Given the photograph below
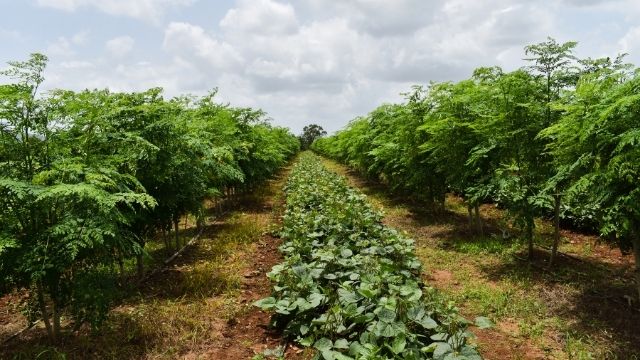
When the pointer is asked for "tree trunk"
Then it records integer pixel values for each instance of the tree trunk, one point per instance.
(530, 237)
(479, 229)
(45, 312)
(165, 239)
(56, 320)
(176, 226)
(556, 228)
(200, 220)
(121, 267)
(635, 239)
(139, 266)
(470, 214)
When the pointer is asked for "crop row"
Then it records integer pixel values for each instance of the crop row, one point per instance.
(350, 286)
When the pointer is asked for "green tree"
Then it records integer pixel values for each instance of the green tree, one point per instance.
(88, 177)
(311, 133)
(559, 136)
(554, 64)
(452, 137)
(509, 132)
(64, 215)
(596, 147)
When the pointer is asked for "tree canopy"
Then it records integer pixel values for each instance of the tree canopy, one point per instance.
(309, 134)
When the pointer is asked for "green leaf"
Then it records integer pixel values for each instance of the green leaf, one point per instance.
(440, 337)
(347, 296)
(386, 315)
(398, 344)
(416, 313)
(470, 353)
(306, 341)
(323, 344)
(341, 344)
(346, 253)
(427, 323)
(441, 350)
(368, 293)
(383, 329)
(483, 322)
(266, 303)
(315, 299)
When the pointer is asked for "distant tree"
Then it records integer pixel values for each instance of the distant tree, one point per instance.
(309, 134)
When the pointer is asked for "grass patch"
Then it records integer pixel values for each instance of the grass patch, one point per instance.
(486, 245)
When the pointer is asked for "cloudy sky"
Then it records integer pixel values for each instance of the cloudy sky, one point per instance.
(302, 61)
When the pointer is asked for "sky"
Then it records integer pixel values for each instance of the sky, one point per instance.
(301, 61)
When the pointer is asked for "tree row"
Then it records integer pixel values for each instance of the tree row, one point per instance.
(87, 178)
(558, 138)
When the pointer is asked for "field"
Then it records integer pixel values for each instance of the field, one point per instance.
(493, 217)
(202, 306)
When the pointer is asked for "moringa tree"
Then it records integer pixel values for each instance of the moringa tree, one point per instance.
(65, 215)
(554, 65)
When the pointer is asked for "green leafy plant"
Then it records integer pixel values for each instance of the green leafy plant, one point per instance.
(349, 286)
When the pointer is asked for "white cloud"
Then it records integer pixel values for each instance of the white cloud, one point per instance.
(149, 10)
(191, 41)
(630, 42)
(77, 65)
(382, 18)
(175, 77)
(80, 38)
(61, 47)
(66, 46)
(321, 55)
(343, 64)
(588, 3)
(67, 5)
(120, 46)
(261, 17)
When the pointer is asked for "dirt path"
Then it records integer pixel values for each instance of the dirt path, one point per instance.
(576, 311)
(248, 335)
